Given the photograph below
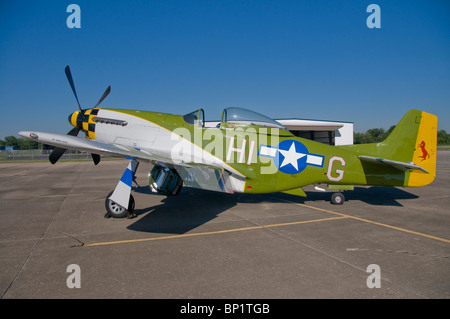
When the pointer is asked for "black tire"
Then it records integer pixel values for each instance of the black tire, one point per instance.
(337, 199)
(116, 211)
(178, 188)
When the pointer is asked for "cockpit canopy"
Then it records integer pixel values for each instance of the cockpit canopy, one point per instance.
(243, 116)
(235, 115)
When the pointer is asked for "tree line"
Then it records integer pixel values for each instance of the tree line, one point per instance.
(373, 135)
(20, 143)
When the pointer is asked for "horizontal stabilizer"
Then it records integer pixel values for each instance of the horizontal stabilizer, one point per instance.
(398, 165)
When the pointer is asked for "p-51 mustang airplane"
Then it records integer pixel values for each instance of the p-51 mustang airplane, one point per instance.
(245, 153)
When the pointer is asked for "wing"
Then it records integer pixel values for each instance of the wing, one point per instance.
(85, 145)
(212, 175)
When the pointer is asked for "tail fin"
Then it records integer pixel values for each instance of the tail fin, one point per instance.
(413, 142)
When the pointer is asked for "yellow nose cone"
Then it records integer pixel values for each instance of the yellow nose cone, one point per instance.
(73, 118)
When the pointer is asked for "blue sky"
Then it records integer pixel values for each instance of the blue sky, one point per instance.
(304, 59)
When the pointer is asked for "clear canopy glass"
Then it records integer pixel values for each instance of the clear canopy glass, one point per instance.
(244, 116)
(236, 115)
(197, 116)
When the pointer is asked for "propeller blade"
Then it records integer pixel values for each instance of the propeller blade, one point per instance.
(72, 85)
(74, 131)
(56, 154)
(96, 158)
(103, 96)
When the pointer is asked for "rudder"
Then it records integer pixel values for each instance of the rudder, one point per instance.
(425, 151)
(414, 139)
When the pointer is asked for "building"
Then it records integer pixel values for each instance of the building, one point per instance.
(327, 132)
(8, 148)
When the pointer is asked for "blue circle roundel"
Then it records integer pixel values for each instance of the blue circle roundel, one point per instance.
(291, 157)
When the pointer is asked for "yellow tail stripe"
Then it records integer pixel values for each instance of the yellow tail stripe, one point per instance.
(425, 151)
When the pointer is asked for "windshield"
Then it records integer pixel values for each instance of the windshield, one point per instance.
(244, 116)
(197, 116)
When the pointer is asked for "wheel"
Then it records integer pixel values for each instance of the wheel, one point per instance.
(337, 199)
(117, 211)
(178, 188)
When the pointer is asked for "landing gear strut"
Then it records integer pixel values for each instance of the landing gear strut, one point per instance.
(120, 203)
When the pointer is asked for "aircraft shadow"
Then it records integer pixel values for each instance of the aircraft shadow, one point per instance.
(195, 207)
(374, 195)
(179, 214)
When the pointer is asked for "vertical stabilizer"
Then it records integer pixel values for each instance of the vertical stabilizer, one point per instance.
(414, 139)
(411, 147)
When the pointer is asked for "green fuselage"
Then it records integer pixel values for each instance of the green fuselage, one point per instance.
(273, 159)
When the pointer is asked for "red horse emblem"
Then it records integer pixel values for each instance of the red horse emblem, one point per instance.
(425, 154)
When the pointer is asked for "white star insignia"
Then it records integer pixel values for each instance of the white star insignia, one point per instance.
(291, 157)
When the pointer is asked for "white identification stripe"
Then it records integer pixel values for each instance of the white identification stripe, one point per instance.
(314, 160)
(268, 151)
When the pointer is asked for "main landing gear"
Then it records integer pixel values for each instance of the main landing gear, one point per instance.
(337, 198)
(120, 203)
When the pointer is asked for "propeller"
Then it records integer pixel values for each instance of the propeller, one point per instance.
(72, 85)
(56, 154)
(103, 96)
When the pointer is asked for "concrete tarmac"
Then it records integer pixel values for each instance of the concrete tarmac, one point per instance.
(203, 244)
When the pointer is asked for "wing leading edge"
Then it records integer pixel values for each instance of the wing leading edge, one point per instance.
(83, 144)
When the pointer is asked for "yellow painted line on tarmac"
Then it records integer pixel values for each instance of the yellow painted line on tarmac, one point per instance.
(445, 240)
(17, 174)
(224, 231)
